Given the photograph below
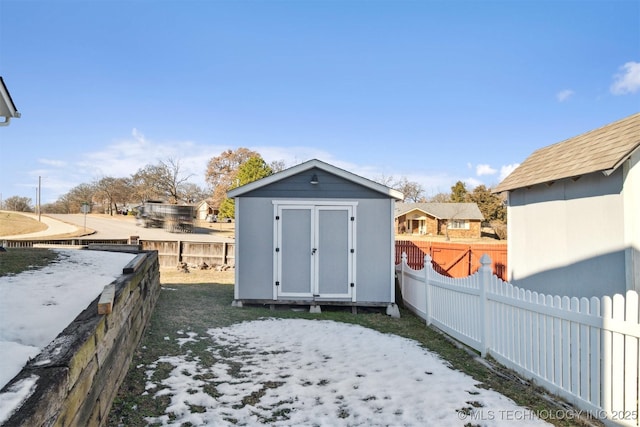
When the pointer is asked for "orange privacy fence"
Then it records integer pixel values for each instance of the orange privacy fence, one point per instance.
(453, 259)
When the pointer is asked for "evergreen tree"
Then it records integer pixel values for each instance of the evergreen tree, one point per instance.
(253, 169)
(459, 193)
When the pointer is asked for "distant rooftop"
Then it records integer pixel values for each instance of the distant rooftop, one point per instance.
(442, 210)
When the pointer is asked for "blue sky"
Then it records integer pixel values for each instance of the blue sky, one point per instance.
(434, 91)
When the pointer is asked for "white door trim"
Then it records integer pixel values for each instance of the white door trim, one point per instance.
(314, 206)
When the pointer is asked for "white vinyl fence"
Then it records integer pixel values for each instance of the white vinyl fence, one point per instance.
(586, 351)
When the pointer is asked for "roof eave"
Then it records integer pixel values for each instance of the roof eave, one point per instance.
(8, 101)
(239, 191)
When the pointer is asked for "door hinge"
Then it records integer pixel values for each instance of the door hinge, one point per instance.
(353, 218)
(277, 249)
(277, 217)
(353, 285)
(277, 283)
(353, 250)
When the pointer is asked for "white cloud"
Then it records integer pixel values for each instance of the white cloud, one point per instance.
(52, 162)
(127, 156)
(472, 183)
(627, 80)
(124, 157)
(564, 95)
(485, 170)
(505, 170)
(137, 135)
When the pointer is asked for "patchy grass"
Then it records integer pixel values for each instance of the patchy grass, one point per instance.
(195, 308)
(12, 223)
(14, 261)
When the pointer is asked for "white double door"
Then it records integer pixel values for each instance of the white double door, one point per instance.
(314, 250)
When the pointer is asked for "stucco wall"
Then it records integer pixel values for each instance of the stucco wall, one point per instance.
(568, 238)
(80, 372)
(631, 201)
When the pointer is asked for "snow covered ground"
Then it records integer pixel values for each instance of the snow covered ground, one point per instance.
(273, 371)
(36, 305)
(320, 373)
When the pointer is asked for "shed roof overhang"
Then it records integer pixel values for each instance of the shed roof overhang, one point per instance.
(302, 167)
(8, 109)
(601, 150)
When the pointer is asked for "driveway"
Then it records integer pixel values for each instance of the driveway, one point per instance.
(120, 227)
(123, 227)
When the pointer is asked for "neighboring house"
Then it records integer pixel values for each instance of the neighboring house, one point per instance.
(204, 209)
(315, 234)
(8, 109)
(457, 220)
(574, 214)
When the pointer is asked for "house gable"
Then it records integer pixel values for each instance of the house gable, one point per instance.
(572, 214)
(337, 181)
(601, 150)
(329, 186)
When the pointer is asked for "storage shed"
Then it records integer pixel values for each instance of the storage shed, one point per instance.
(314, 235)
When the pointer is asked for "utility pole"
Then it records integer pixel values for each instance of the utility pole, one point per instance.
(39, 196)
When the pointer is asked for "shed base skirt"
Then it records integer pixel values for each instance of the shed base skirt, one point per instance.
(315, 305)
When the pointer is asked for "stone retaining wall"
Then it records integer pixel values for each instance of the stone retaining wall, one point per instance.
(79, 373)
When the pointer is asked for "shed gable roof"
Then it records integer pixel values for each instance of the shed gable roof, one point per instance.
(8, 109)
(442, 210)
(311, 164)
(600, 150)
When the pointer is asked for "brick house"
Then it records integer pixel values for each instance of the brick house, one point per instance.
(463, 220)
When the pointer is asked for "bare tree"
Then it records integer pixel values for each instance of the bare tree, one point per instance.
(222, 170)
(77, 196)
(277, 166)
(18, 204)
(440, 198)
(165, 180)
(413, 192)
(113, 191)
(192, 193)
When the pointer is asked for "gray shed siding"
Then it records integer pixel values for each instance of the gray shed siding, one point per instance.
(330, 187)
(254, 239)
(375, 250)
(373, 234)
(374, 259)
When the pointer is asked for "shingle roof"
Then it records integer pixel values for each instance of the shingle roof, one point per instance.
(600, 150)
(442, 210)
(315, 163)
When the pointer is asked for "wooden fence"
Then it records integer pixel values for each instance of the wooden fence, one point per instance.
(170, 252)
(586, 351)
(453, 259)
